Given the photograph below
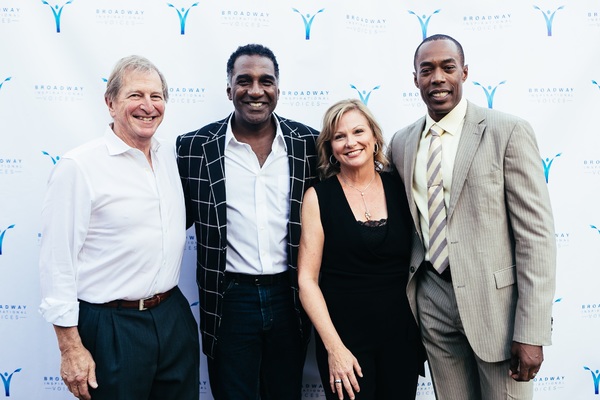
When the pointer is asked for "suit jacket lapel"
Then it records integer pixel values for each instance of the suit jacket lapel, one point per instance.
(296, 149)
(215, 150)
(410, 158)
(467, 148)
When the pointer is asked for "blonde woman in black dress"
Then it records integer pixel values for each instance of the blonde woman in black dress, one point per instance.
(353, 264)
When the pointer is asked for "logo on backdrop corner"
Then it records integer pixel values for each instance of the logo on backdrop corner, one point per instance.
(595, 378)
(5, 80)
(308, 21)
(2, 236)
(6, 379)
(363, 94)
(424, 21)
(183, 14)
(593, 81)
(595, 228)
(489, 92)
(548, 164)
(57, 11)
(54, 159)
(549, 17)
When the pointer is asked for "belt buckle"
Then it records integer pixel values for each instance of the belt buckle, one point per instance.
(141, 305)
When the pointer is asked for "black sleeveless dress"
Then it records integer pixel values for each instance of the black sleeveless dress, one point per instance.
(363, 278)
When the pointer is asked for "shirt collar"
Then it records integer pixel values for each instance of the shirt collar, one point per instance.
(117, 146)
(278, 142)
(451, 122)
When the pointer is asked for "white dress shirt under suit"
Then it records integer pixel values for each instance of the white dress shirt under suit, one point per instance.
(257, 201)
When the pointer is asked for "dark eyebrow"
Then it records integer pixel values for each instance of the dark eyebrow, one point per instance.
(450, 60)
(268, 77)
(243, 76)
(262, 77)
(445, 61)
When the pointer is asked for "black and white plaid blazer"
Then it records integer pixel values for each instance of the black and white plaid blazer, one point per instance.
(200, 157)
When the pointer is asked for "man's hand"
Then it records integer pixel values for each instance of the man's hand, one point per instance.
(77, 367)
(525, 361)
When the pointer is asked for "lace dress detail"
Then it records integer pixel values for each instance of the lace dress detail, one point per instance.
(373, 232)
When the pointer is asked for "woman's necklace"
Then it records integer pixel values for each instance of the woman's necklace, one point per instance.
(362, 193)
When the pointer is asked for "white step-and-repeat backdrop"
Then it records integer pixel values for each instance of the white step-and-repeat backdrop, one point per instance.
(537, 59)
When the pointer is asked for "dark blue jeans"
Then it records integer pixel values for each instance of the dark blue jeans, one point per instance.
(260, 353)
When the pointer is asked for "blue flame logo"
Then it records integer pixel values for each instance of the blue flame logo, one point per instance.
(183, 14)
(424, 21)
(57, 11)
(308, 21)
(549, 17)
(489, 92)
(364, 95)
(548, 164)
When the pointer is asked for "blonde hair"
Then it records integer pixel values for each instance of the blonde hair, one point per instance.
(330, 121)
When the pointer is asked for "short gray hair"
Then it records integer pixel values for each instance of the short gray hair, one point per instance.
(131, 63)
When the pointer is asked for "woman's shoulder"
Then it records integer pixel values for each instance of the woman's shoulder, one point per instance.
(327, 183)
(392, 179)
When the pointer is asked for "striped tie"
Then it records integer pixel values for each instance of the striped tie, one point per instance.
(438, 246)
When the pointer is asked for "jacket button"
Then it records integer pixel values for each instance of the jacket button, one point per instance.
(412, 270)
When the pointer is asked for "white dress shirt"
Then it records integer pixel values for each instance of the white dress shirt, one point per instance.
(257, 207)
(112, 227)
(452, 125)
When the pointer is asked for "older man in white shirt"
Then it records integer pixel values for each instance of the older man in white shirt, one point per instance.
(113, 225)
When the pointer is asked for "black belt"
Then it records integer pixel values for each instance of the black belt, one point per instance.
(445, 275)
(258, 280)
(142, 304)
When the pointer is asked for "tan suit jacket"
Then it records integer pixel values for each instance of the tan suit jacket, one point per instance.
(500, 231)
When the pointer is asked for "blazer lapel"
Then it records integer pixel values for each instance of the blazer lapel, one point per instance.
(467, 148)
(296, 149)
(410, 158)
(215, 150)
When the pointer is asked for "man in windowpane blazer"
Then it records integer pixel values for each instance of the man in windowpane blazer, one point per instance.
(486, 317)
(244, 178)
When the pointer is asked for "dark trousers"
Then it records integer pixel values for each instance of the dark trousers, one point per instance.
(151, 354)
(260, 353)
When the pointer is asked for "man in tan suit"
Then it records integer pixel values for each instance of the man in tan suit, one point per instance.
(486, 312)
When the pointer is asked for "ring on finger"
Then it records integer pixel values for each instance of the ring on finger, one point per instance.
(338, 381)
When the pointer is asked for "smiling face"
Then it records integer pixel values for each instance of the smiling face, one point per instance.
(138, 109)
(353, 141)
(253, 90)
(439, 75)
